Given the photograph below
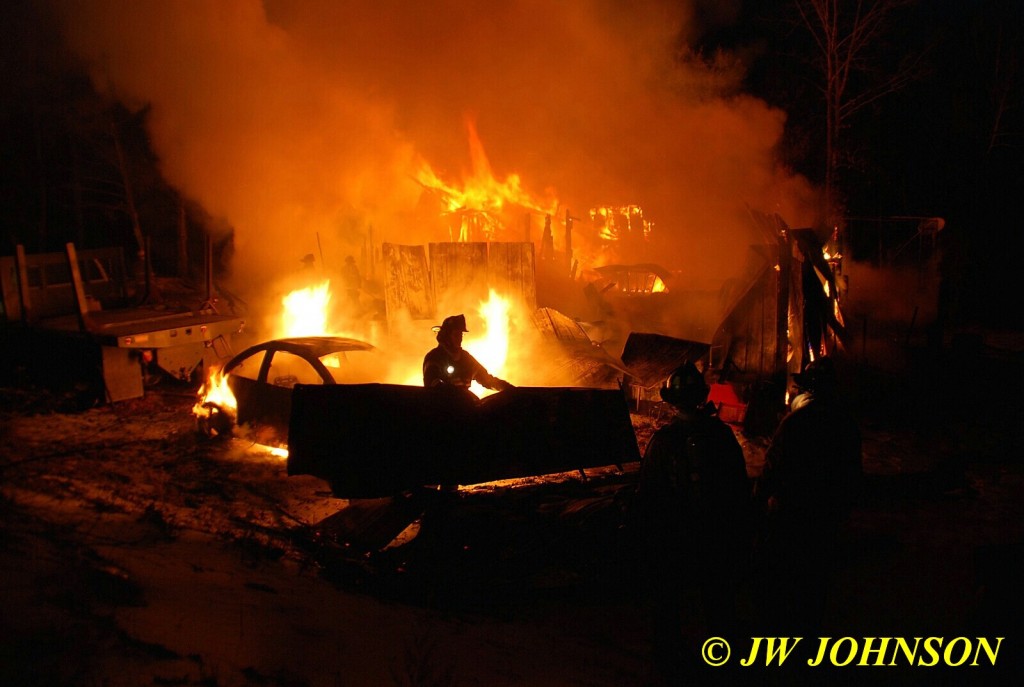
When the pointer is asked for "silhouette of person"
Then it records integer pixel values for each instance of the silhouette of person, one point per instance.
(450, 365)
(459, 433)
(692, 506)
(352, 279)
(811, 478)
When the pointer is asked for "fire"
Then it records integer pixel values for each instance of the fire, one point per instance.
(305, 311)
(215, 398)
(304, 314)
(617, 223)
(492, 348)
(482, 199)
(217, 391)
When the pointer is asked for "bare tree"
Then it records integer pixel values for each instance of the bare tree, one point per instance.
(1005, 89)
(855, 67)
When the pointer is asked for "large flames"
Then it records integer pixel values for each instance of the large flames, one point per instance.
(481, 209)
(492, 348)
(305, 312)
(621, 223)
(483, 199)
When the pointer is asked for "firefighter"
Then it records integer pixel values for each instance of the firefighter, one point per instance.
(450, 365)
(352, 279)
(810, 481)
(692, 506)
(459, 443)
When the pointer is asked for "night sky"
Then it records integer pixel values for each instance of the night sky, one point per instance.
(947, 144)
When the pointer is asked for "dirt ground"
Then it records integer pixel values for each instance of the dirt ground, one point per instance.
(134, 552)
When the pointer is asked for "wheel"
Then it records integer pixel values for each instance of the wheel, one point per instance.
(214, 421)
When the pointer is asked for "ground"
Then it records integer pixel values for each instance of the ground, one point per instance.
(135, 552)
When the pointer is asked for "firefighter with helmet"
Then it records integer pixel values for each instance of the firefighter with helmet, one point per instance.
(448, 370)
(450, 365)
(692, 506)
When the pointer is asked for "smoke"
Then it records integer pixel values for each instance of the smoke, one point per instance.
(301, 123)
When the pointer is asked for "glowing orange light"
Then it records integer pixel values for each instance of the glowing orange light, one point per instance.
(616, 222)
(482, 197)
(215, 407)
(215, 390)
(305, 311)
(492, 348)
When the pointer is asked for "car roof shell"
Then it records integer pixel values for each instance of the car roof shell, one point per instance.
(310, 347)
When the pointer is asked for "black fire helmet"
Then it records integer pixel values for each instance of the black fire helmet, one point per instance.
(819, 375)
(686, 387)
(452, 323)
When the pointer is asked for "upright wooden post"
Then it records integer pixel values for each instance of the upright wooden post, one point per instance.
(76, 283)
(568, 241)
(27, 315)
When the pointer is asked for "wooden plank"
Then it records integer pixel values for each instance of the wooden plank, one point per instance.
(459, 273)
(79, 289)
(407, 282)
(511, 271)
(774, 306)
(574, 354)
(371, 524)
(45, 279)
(27, 313)
(651, 358)
(749, 335)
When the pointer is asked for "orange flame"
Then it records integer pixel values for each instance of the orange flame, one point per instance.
(305, 311)
(616, 223)
(216, 391)
(215, 399)
(483, 198)
(492, 348)
(304, 314)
